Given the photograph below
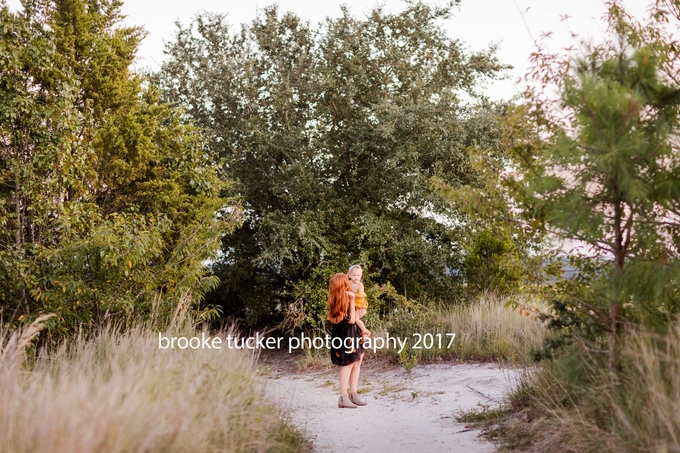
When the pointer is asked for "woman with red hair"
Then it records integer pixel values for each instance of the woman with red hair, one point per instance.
(346, 349)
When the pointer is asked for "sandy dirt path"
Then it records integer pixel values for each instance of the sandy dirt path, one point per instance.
(406, 412)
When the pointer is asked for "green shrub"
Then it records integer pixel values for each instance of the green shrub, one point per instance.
(492, 262)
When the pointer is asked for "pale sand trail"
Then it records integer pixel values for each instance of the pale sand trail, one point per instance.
(406, 412)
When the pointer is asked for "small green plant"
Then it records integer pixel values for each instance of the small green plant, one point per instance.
(483, 414)
(389, 387)
(408, 359)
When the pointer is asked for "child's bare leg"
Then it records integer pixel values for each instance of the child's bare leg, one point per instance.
(362, 326)
(345, 373)
(354, 376)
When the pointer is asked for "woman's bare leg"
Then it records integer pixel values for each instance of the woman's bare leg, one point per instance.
(354, 375)
(345, 372)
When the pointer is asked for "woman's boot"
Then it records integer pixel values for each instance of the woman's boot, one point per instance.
(354, 397)
(344, 401)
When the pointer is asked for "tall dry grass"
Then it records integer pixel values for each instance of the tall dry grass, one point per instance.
(487, 328)
(576, 405)
(119, 392)
(491, 328)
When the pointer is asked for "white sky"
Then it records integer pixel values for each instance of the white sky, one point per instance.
(478, 23)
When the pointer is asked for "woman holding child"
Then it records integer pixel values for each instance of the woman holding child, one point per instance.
(347, 332)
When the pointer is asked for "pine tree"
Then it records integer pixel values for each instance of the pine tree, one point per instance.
(601, 166)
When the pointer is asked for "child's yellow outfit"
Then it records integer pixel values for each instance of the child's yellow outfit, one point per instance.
(360, 301)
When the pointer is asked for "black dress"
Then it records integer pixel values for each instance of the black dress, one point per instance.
(346, 347)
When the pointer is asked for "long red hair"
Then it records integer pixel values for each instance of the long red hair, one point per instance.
(338, 299)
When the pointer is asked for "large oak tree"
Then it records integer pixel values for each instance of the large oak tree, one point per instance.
(333, 134)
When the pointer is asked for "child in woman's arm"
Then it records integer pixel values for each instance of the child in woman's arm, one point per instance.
(360, 302)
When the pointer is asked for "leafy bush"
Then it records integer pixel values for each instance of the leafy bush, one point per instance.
(492, 262)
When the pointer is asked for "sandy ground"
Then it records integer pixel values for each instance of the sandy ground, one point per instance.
(406, 412)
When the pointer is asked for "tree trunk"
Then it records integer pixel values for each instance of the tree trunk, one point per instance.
(19, 233)
(17, 208)
(616, 303)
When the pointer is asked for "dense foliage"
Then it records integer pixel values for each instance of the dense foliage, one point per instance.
(108, 204)
(333, 135)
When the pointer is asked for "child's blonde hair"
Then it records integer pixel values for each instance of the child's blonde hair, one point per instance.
(354, 266)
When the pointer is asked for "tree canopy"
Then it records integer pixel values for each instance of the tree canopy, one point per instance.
(332, 134)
